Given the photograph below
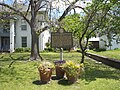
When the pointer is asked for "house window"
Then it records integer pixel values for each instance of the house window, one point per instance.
(23, 25)
(24, 41)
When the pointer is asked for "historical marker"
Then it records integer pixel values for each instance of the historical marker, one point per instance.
(61, 40)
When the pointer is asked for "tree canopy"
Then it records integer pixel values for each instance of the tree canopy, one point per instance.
(93, 22)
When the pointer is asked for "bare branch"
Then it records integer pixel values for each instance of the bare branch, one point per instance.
(40, 7)
(16, 11)
(27, 10)
(69, 8)
(38, 3)
(81, 8)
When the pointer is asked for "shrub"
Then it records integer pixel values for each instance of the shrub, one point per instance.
(100, 49)
(22, 50)
(47, 44)
(50, 49)
(117, 49)
(19, 50)
(27, 49)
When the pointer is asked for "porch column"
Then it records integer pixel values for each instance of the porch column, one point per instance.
(11, 36)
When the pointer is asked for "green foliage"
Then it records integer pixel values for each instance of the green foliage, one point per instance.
(93, 22)
(49, 49)
(27, 49)
(19, 50)
(117, 49)
(47, 44)
(111, 25)
(72, 68)
(25, 75)
(22, 50)
(72, 23)
(5, 20)
(99, 49)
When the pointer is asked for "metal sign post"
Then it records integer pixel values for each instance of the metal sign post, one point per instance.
(61, 53)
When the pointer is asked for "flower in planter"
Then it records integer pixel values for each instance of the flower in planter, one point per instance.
(72, 70)
(45, 71)
(45, 66)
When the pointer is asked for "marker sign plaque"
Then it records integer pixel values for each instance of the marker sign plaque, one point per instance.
(61, 40)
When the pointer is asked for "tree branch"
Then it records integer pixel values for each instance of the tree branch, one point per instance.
(27, 10)
(70, 7)
(16, 11)
(40, 7)
(38, 3)
(97, 26)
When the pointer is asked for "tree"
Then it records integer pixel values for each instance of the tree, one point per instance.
(33, 7)
(91, 22)
(72, 23)
(112, 26)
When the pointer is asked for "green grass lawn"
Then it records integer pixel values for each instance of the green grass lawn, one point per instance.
(23, 74)
(109, 53)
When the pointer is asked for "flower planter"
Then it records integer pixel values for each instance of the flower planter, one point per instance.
(45, 71)
(59, 70)
(71, 79)
(45, 75)
(72, 70)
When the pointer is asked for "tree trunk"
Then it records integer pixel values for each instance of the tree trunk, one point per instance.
(35, 38)
(35, 47)
(83, 57)
(82, 50)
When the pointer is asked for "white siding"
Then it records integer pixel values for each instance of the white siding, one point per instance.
(102, 43)
(20, 33)
(43, 38)
(114, 45)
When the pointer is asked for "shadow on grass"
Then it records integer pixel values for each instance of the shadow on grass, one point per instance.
(64, 82)
(38, 82)
(61, 81)
(54, 78)
(94, 70)
(16, 57)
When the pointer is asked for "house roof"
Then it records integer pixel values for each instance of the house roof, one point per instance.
(94, 39)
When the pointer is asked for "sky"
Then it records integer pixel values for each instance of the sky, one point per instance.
(61, 6)
(10, 1)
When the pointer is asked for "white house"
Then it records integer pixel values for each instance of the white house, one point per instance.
(102, 42)
(19, 34)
